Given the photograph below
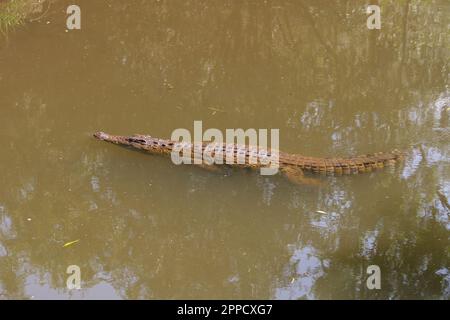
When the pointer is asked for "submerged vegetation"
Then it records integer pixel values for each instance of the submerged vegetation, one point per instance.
(14, 12)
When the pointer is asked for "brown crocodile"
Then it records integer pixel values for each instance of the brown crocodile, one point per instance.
(292, 165)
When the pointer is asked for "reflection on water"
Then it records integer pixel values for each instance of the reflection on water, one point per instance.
(148, 229)
(307, 268)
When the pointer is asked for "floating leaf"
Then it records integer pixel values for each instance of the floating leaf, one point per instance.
(320, 211)
(70, 243)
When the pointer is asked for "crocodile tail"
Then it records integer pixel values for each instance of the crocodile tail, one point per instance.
(367, 162)
(357, 164)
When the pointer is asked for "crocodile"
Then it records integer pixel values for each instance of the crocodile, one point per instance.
(291, 165)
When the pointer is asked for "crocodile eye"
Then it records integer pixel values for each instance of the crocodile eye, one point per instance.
(134, 140)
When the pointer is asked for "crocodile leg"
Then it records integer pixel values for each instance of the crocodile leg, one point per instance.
(295, 175)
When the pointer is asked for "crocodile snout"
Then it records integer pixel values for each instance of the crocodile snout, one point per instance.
(101, 135)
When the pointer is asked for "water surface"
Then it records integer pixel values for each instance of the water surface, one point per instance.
(149, 229)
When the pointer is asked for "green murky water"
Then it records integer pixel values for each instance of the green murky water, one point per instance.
(149, 229)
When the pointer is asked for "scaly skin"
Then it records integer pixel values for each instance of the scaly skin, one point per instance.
(290, 164)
